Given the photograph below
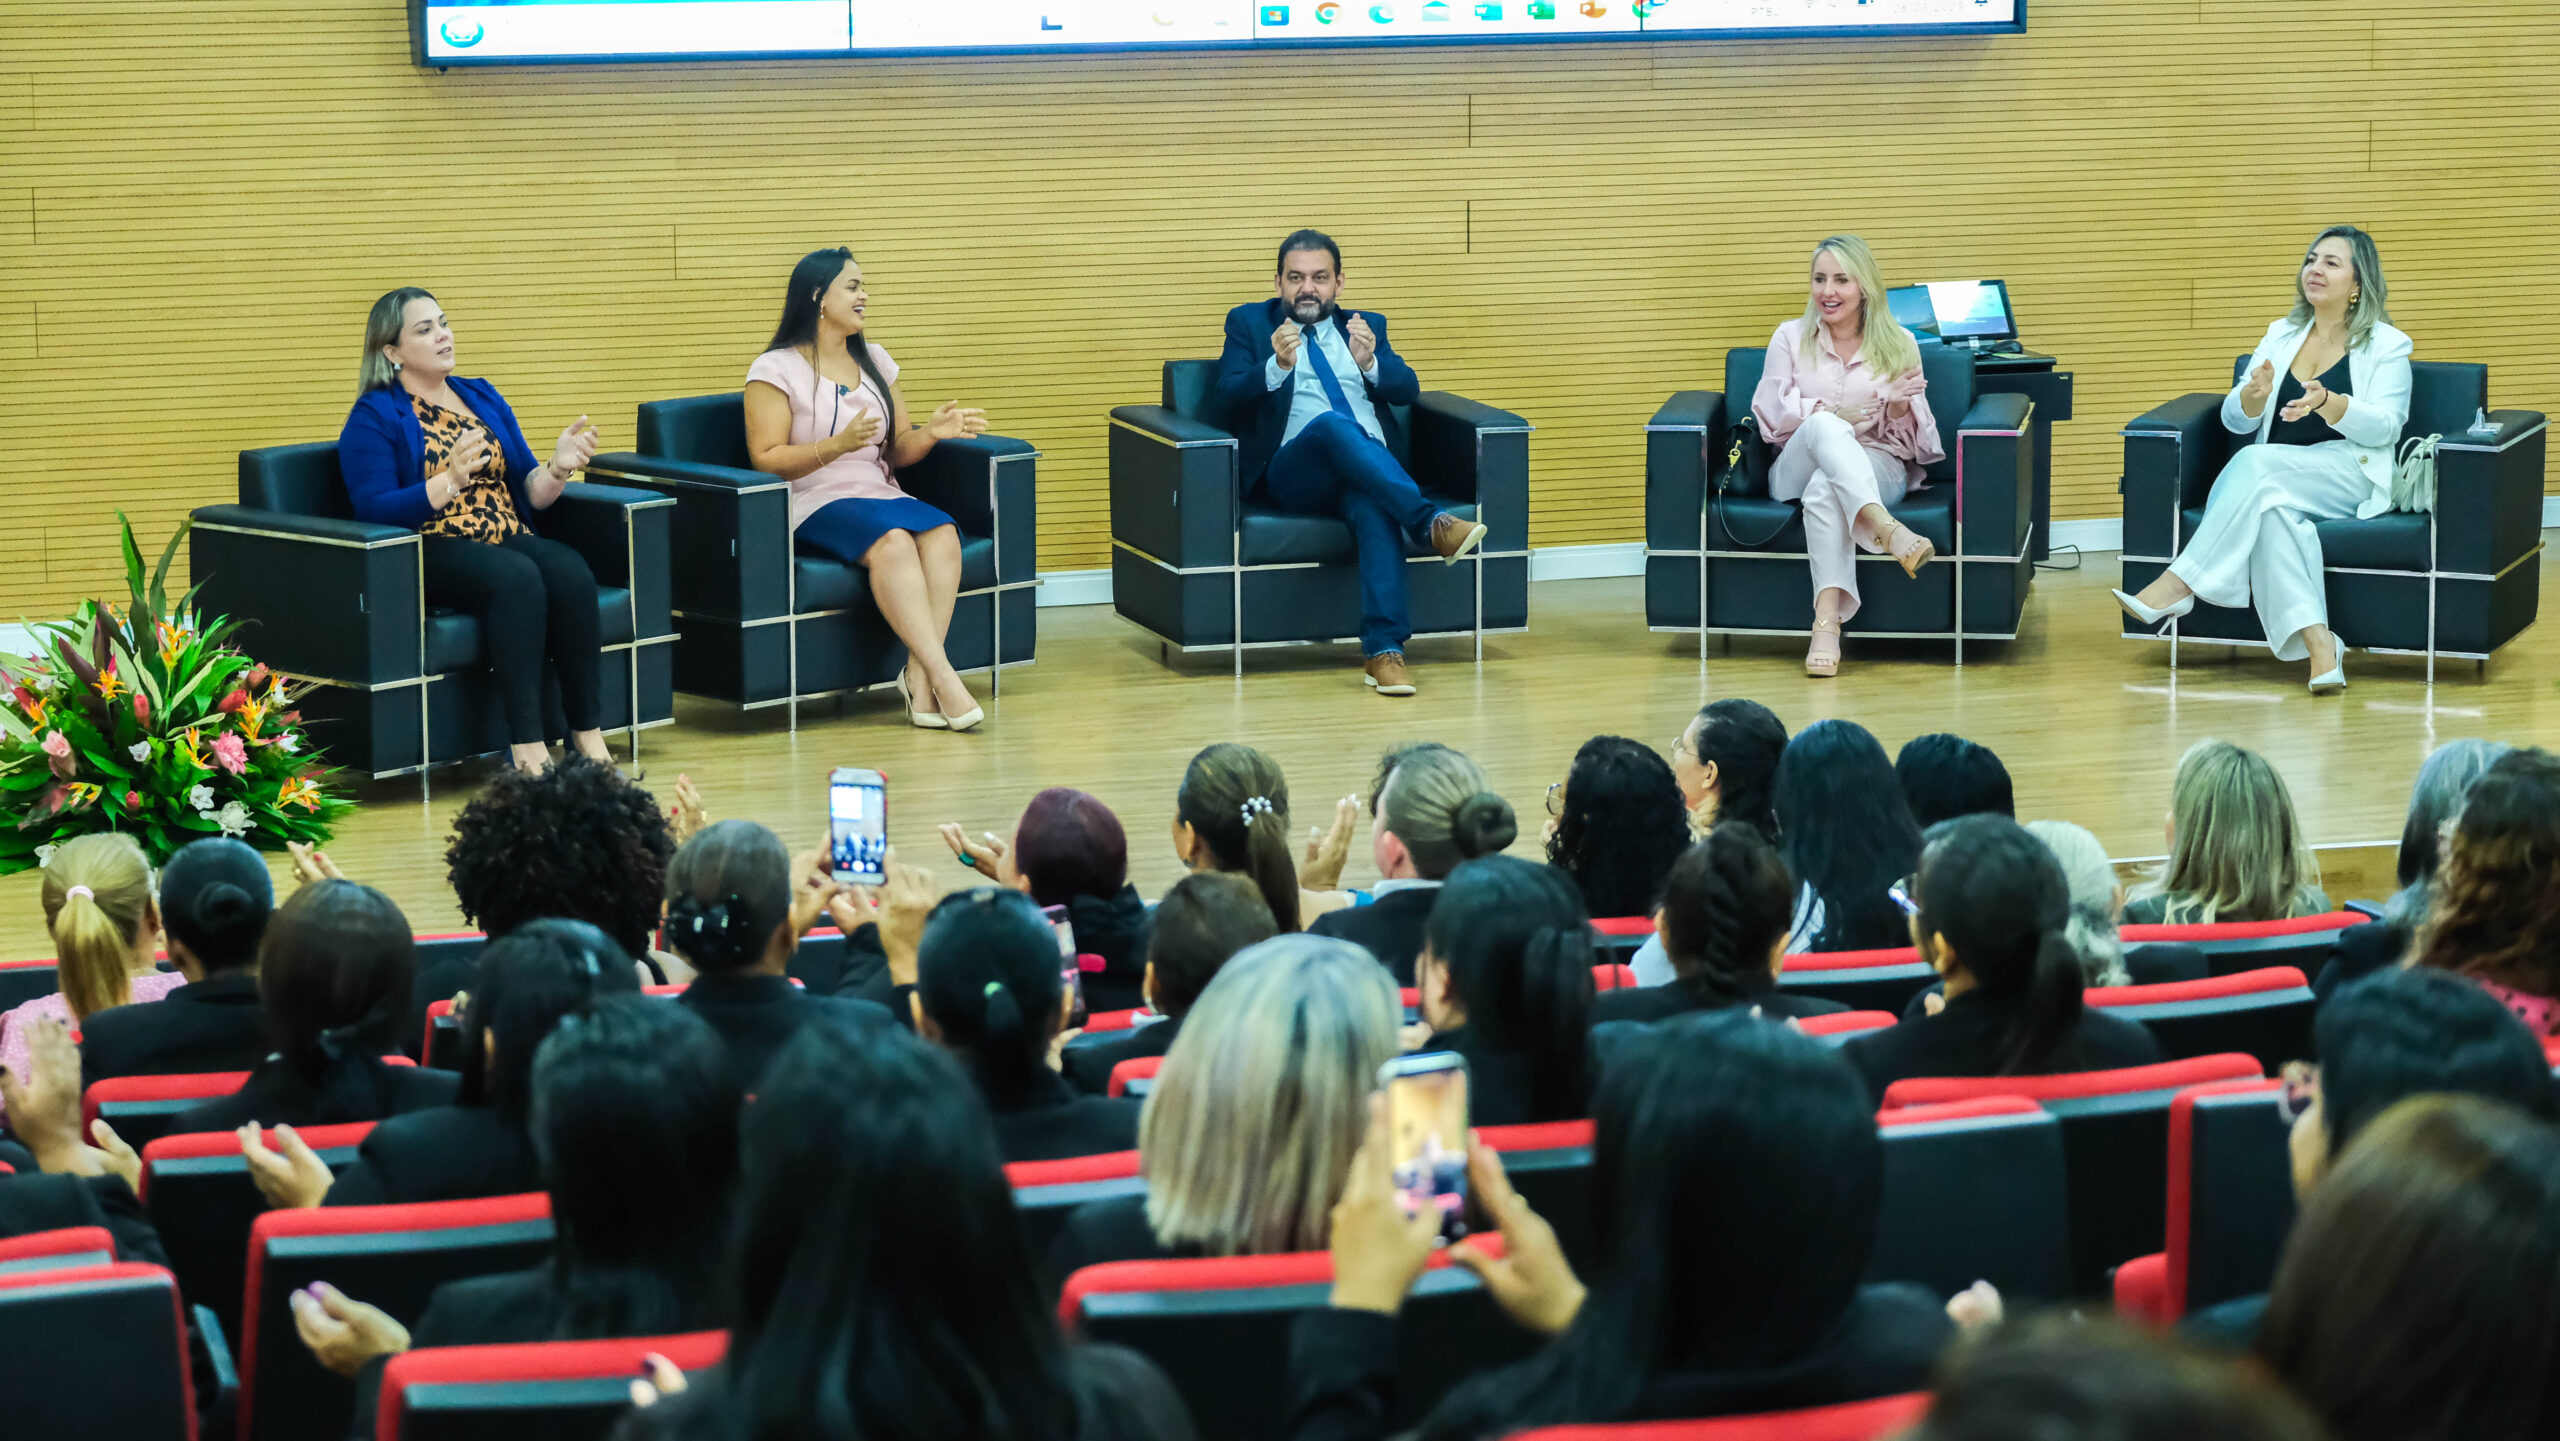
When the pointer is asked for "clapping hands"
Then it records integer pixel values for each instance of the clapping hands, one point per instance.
(1904, 388)
(2314, 396)
(1363, 340)
(951, 421)
(576, 447)
(2260, 385)
(1328, 849)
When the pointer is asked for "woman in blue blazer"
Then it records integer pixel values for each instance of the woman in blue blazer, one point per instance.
(442, 455)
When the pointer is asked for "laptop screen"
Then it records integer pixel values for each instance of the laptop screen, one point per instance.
(1955, 309)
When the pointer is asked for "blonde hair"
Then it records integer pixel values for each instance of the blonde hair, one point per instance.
(1889, 349)
(2238, 853)
(2368, 310)
(382, 328)
(2091, 878)
(1248, 1136)
(97, 894)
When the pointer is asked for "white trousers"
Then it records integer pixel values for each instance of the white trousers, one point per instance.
(1836, 477)
(2258, 543)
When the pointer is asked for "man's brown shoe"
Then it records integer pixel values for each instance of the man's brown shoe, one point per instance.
(1453, 536)
(1387, 674)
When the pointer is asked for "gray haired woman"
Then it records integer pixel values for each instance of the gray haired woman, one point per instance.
(2435, 801)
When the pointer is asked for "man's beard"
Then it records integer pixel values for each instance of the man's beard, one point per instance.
(1298, 310)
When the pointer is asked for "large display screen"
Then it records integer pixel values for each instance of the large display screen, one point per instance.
(480, 32)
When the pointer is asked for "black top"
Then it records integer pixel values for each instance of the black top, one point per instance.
(1089, 1065)
(215, 1024)
(1342, 1374)
(1390, 926)
(445, 1153)
(2358, 952)
(1967, 1037)
(32, 1201)
(1119, 1396)
(1113, 1230)
(1054, 1123)
(1661, 1003)
(1114, 928)
(439, 982)
(2160, 962)
(757, 1015)
(276, 1094)
(1499, 1083)
(2231, 1326)
(2310, 429)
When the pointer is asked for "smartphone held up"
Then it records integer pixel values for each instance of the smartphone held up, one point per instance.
(1427, 1130)
(858, 825)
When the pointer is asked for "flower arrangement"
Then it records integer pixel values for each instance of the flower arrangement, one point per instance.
(148, 722)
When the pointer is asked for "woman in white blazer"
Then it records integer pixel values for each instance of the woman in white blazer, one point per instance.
(2326, 394)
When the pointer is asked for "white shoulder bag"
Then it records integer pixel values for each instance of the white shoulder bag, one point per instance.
(2413, 478)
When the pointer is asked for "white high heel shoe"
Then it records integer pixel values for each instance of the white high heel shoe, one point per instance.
(921, 719)
(2148, 616)
(2332, 681)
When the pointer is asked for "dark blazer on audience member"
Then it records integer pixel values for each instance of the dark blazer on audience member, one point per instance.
(1342, 1377)
(33, 1201)
(1390, 926)
(1258, 414)
(1113, 1230)
(1499, 1089)
(444, 1153)
(1966, 1039)
(1661, 1003)
(758, 1015)
(2358, 952)
(1054, 1123)
(277, 1095)
(215, 1024)
(1089, 1066)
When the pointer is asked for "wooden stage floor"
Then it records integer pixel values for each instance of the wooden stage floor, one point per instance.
(2091, 727)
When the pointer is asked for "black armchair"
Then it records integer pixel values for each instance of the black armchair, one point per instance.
(1199, 563)
(1745, 553)
(404, 686)
(2459, 581)
(760, 624)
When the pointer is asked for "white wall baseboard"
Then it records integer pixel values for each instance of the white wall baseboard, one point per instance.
(1586, 562)
(1074, 587)
(2089, 535)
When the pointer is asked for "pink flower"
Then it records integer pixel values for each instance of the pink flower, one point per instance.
(233, 702)
(232, 752)
(133, 800)
(57, 745)
(141, 710)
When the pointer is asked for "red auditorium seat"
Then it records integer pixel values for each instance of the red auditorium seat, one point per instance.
(96, 1350)
(543, 1391)
(2115, 1146)
(1883, 980)
(1613, 976)
(1841, 1025)
(141, 1107)
(1620, 937)
(1220, 1329)
(2231, 947)
(197, 1191)
(57, 1250)
(389, 1256)
(1045, 1193)
(1997, 1162)
(1549, 1164)
(2265, 1012)
(1855, 1421)
(1100, 1021)
(2230, 1203)
(1135, 1076)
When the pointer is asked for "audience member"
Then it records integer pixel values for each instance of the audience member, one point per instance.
(1615, 824)
(2495, 916)
(1232, 814)
(2419, 1295)
(215, 896)
(334, 972)
(1068, 850)
(1202, 921)
(989, 989)
(736, 916)
(1738, 1173)
(1505, 980)
(884, 1288)
(1252, 1123)
(1946, 776)
(1430, 810)
(2434, 801)
(1848, 837)
(481, 1145)
(1727, 765)
(1992, 920)
(106, 935)
(2097, 912)
(2236, 852)
(62, 1180)
(2056, 1376)
(631, 1099)
(1722, 932)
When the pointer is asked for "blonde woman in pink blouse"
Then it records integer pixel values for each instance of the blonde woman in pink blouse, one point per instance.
(1843, 398)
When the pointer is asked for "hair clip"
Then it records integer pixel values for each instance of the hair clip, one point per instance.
(994, 988)
(1255, 806)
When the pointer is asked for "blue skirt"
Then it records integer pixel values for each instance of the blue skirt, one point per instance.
(846, 530)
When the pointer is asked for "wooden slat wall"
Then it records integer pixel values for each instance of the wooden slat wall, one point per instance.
(196, 209)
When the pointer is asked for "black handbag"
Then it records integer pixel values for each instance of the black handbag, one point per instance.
(1745, 472)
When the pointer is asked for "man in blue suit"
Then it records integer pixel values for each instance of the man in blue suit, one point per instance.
(1306, 385)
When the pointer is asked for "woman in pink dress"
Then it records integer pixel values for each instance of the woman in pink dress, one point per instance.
(1844, 400)
(823, 412)
(106, 934)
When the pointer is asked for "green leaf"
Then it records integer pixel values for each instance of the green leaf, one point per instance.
(132, 559)
(160, 574)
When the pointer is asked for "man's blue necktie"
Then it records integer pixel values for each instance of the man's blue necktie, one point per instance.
(1324, 374)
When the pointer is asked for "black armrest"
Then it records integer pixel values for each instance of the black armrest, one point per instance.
(2171, 455)
(1468, 450)
(220, 1374)
(969, 479)
(693, 472)
(1682, 444)
(2369, 909)
(1996, 412)
(305, 527)
(1173, 487)
(1996, 466)
(1690, 410)
(2489, 495)
(728, 539)
(1164, 424)
(329, 599)
(623, 533)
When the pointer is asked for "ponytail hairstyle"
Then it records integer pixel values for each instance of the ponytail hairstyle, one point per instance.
(2091, 879)
(1624, 823)
(1997, 895)
(1726, 907)
(1742, 739)
(333, 973)
(988, 974)
(802, 298)
(215, 897)
(1236, 801)
(728, 891)
(1435, 801)
(1517, 944)
(525, 982)
(97, 898)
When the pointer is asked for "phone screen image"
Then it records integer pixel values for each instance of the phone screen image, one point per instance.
(858, 825)
(1070, 969)
(1427, 1122)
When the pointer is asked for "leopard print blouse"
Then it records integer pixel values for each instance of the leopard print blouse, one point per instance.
(484, 509)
